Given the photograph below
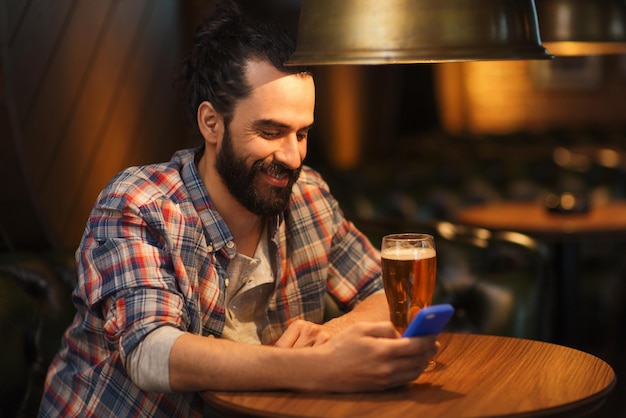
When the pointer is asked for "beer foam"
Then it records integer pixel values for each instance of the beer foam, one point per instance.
(396, 253)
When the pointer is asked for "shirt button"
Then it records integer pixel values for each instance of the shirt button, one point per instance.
(230, 245)
(226, 282)
(210, 248)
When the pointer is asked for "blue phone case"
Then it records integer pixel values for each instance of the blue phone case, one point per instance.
(429, 320)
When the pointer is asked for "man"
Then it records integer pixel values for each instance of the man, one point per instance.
(210, 271)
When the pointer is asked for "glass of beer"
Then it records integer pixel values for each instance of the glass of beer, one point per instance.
(409, 264)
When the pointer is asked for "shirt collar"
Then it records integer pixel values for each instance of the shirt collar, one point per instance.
(217, 233)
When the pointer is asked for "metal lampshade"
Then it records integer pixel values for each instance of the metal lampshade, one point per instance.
(583, 27)
(414, 31)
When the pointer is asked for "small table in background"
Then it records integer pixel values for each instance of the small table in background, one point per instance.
(564, 232)
(476, 375)
(602, 221)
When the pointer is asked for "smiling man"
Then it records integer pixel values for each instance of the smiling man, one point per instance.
(210, 271)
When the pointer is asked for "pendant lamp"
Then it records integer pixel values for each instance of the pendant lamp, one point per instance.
(416, 31)
(582, 27)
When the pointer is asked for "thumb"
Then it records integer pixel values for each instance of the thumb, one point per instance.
(384, 329)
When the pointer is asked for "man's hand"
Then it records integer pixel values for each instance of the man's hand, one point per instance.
(302, 333)
(369, 357)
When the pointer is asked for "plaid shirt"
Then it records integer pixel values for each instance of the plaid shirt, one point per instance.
(155, 252)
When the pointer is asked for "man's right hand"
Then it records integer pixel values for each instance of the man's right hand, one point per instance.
(370, 356)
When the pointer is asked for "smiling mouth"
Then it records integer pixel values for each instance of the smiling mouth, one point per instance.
(276, 179)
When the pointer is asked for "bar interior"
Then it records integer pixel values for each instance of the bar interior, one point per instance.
(516, 164)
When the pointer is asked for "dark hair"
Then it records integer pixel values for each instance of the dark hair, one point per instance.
(223, 44)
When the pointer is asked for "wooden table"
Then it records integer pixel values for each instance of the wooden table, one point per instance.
(476, 376)
(563, 232)
(606, 221)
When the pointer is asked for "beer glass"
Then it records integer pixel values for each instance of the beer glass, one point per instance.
(409, 266)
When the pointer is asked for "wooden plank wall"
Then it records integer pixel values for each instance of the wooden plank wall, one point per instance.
(86, 91)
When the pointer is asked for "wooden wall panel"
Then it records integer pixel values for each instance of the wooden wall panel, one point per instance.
(137, 121)
(96, 102)
(57, 108)
(20, 214)
(32, 44)
(14, 10)
(89, 84)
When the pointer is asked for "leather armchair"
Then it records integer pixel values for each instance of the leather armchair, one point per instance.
(35, 310)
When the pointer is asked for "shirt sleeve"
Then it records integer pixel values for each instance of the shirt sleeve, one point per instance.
(354, 271)
(354, 266)
(148, 364)
(130, 268)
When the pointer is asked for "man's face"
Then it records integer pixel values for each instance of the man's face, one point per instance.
(262, 150)
(245, 182)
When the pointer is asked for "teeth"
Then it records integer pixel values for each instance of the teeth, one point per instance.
(276, 172)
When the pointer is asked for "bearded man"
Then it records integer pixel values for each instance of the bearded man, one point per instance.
(210, 271)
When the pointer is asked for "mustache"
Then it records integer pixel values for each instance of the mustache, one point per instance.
(276, 169)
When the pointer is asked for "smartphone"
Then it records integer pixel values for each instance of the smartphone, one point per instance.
(429, 320)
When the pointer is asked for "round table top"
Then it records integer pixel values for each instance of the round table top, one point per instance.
(476, 375)
(532, 218)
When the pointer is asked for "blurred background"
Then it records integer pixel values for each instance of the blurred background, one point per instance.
(86, 89)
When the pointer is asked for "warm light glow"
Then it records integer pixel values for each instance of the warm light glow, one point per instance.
(346, 125)
(482, 96)
(451, 94)
(563, 22)
(609, 158)
(571, 160)
(505, 97)
(568, 201)
(585, 48)
(582, 27)
(562, 156)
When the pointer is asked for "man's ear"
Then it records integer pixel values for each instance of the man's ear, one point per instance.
(210, 123)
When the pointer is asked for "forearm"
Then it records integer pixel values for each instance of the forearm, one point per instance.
(202, 363)
(372, 309)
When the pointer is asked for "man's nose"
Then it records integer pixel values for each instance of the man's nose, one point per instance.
(289, 153)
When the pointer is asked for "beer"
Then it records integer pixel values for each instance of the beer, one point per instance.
(409, 280)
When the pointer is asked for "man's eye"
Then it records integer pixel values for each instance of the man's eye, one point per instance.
(302, 136)
(270, 135)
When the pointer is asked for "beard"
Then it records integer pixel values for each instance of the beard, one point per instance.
(244, 185)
